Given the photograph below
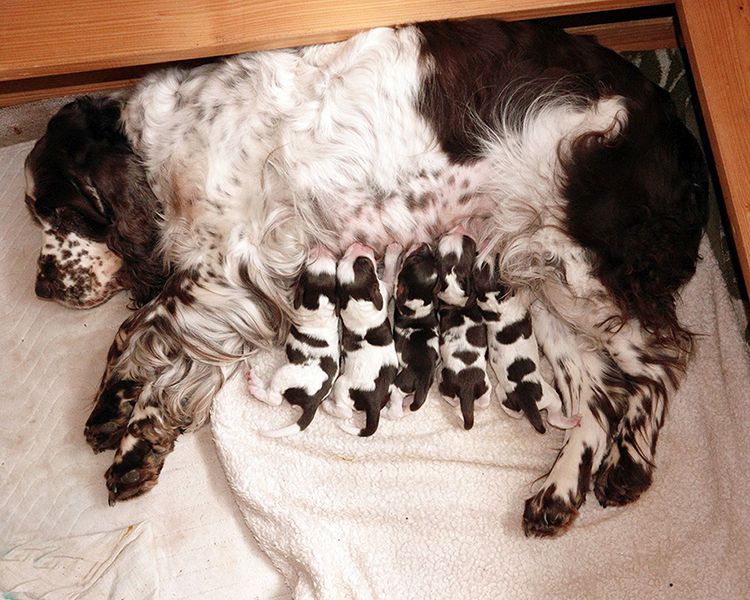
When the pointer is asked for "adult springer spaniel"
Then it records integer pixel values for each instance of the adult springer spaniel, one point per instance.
(203, 190)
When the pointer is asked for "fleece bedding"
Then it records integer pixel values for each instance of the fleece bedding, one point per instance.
(58, 537)
(424, 509)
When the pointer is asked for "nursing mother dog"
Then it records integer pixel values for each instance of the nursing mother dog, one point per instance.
(203, 191)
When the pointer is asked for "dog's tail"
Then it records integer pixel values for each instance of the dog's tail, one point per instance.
(420, 395)
(466, 396)
(525, 397)
(308, 414)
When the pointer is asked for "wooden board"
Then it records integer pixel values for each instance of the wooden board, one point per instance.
(645, 34)
(40, 38)
(717, 34)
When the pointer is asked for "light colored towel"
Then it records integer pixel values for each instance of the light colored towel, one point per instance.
(424, 509)
(114, 564)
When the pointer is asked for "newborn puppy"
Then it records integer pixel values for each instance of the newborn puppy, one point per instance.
(312, 346)
(514, 352)
(415, 328)
(463, 335)
(369, 354)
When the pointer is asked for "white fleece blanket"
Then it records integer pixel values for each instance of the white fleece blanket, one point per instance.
(425, 509)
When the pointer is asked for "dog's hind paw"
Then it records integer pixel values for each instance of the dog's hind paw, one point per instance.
(621, 480)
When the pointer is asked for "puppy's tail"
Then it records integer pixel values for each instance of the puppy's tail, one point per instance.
(467, 407)
(308, 414)
(525, 398)
(420, 395)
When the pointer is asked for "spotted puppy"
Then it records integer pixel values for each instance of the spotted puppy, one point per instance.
(369, 355)
(415, 328)
(312, 346)
(463, 335)
(514, 352)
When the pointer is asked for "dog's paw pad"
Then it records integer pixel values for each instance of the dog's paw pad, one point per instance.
(621, 480)
(546, 514)
(134, 472)
(104, 436)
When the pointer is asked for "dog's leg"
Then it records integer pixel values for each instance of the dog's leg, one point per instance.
(114, 400)
(177, 350)
(581, 376)
(652, 370)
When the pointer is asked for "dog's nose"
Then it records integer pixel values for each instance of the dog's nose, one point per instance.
(43, 288)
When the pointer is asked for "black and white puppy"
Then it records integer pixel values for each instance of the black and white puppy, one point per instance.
(514, 352)
(369, 362)
(312, 346)
(415, 329)
(463, 335)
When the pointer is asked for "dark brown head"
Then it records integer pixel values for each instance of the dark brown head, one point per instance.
(87, 190)
(489, 288)
(316, 288)
(417, 282)
(361, 294)
(639, 204)
(456, 254)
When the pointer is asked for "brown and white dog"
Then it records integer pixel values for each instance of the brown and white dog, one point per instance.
(415, 328)
(202, 192)
(312, 346)
(369, 361)
(463, 335)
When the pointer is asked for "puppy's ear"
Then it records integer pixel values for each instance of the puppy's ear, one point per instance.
(299, 290)
(400, 293)
(377, 297)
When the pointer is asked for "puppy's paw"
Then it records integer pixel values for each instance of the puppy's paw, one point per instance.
(454, 402)
(108, 420)
(258, 390)
(337, 410)
(621, 480)
(559, 420)
(548, 514)
(394, 410)
(483, 401)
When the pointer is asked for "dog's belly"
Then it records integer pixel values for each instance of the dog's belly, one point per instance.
(419, 208)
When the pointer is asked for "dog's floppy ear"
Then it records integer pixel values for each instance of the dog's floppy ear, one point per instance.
(377, 297)
(299, 290)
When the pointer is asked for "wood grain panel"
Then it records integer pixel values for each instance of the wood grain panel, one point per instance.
(717, 34)
(39, 38)
(645, 34)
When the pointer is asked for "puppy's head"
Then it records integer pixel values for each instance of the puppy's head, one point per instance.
(417, 283)
(87, 191)
(315, 294)
(361, 295)
(456, 254)
(488, 286)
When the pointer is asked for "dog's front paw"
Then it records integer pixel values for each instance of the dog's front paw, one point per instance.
(135, 474)
(139, 458)
(548, 514)
(108, 420)
(621, 480)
